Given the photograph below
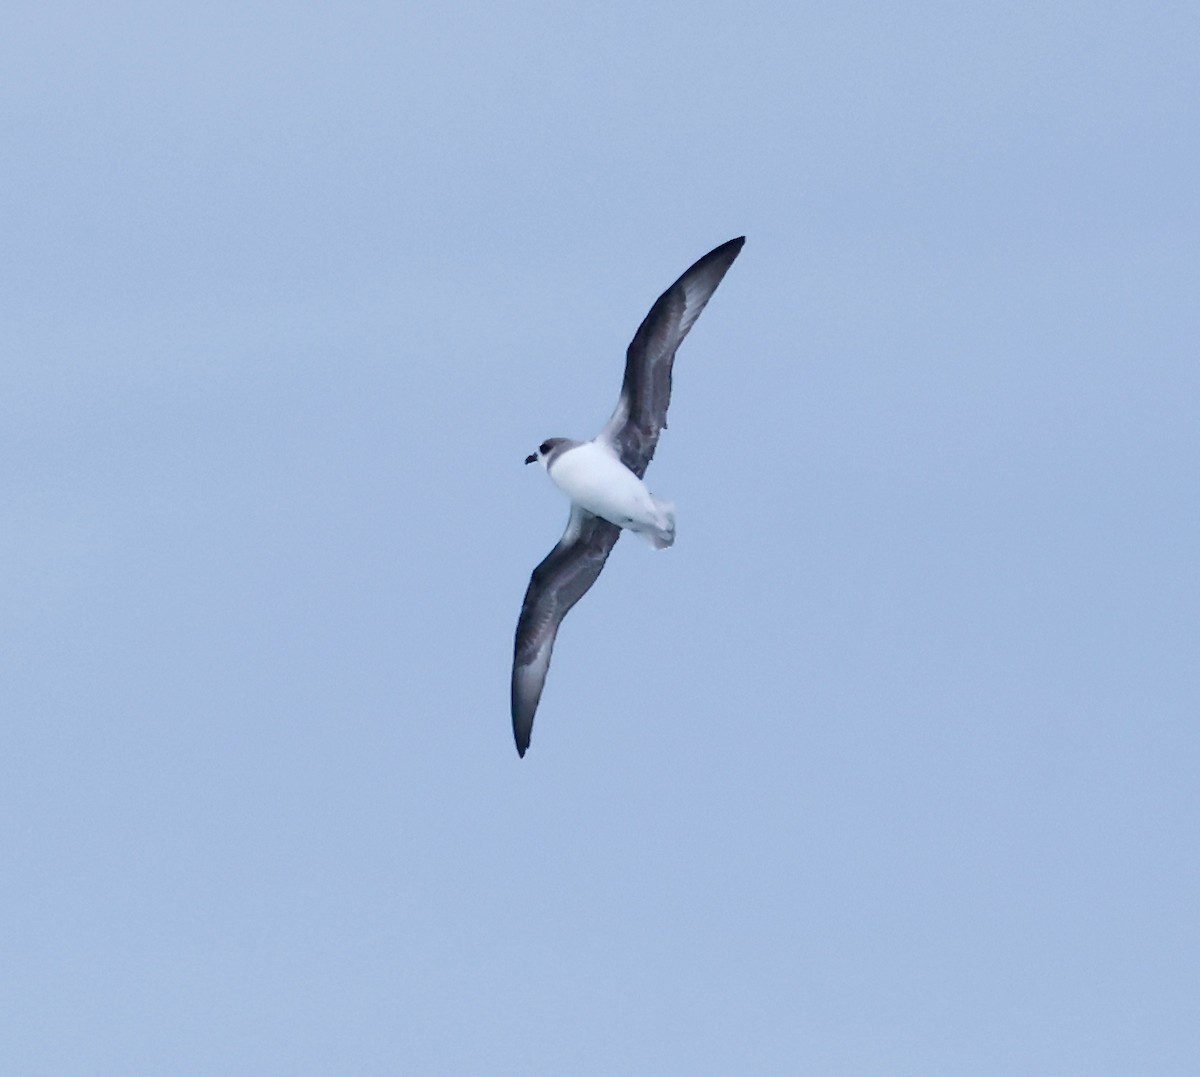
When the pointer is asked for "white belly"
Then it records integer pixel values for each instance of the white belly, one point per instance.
(593, 477)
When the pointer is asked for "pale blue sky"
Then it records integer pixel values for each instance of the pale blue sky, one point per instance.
(888, 767)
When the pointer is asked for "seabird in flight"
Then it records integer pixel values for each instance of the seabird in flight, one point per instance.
(603, 479)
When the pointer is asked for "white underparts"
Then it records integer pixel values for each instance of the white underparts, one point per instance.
(594, 478)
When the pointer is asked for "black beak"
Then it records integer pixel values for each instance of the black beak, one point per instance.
(531, 458)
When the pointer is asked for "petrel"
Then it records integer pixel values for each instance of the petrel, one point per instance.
(603, 479)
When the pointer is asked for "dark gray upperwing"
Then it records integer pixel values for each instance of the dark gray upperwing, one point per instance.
(561, 580)
(641, 413)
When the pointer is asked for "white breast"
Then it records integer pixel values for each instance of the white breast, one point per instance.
(594, 478)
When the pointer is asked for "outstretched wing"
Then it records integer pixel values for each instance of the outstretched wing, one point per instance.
(641, 412)
(561, 580)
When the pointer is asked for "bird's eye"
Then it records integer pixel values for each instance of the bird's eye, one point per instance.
(544, 447)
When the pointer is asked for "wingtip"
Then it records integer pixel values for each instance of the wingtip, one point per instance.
(521, 737)
(724, 254)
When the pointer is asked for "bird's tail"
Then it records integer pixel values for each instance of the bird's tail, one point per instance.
(662, 534)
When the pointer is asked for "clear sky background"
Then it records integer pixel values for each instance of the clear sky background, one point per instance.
(889, 766)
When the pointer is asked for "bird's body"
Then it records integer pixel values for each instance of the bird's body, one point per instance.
(591, 474)
(603, 479)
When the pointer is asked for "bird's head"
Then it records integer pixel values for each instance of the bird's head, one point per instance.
(544, 451)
